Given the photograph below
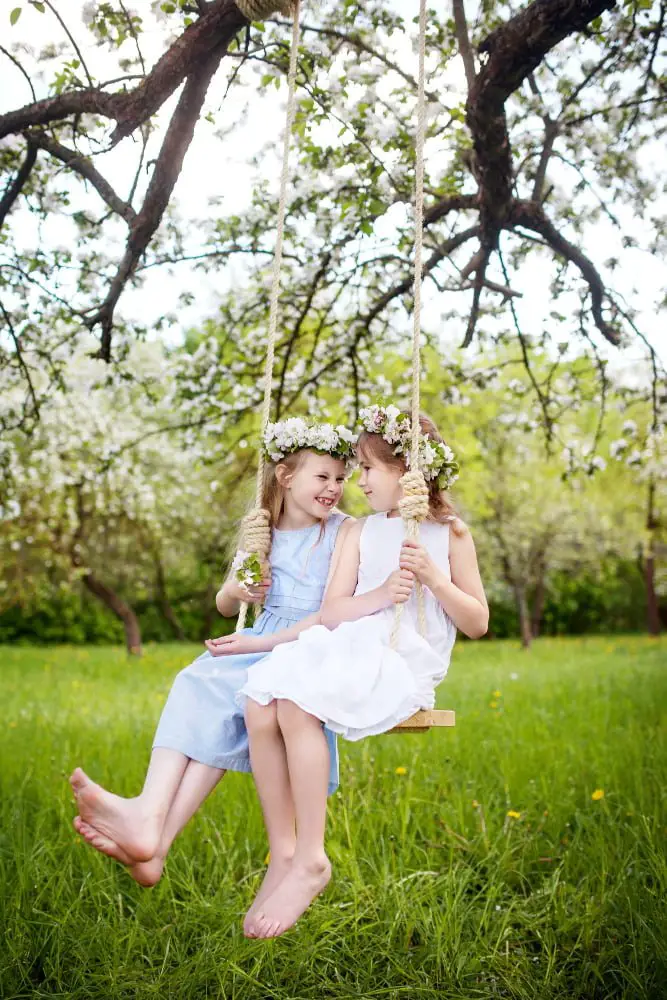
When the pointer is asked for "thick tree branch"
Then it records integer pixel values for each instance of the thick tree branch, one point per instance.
(213, 30)
(51, 109)
(209, 34)
(531, 216)
(514, 50)
(165, 174)
(82, 166)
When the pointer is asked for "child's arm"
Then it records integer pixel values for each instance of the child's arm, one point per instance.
(244, 643)
(340, 604)
(462, 597)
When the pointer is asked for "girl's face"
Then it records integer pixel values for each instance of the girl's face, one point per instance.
(380, 483)
(317, 485)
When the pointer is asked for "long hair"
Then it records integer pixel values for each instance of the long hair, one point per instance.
(274, 493)
(440, 504)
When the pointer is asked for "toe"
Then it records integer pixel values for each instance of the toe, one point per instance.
(78, 780)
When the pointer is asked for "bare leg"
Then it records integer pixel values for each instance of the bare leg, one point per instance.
(135, 825)
(269, 765)
(310, 871)
(197, 783)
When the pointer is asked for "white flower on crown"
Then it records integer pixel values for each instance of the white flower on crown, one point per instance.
(436, 459)
(287, 436)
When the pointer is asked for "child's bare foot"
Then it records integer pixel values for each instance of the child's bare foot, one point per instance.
(275, 873)
(146, 873)
(121, 821)
(296, 892)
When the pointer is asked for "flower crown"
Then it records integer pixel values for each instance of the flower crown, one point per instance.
(436, 459)
(287, 436)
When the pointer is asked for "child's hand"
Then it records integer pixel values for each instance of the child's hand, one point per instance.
(229, 645)
(416, 559)
(256, 592)
(399, 586)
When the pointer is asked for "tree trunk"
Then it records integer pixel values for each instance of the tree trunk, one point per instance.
(652, 609)
(538, 607)
(524, 616)
(168, 612)
(120, 608)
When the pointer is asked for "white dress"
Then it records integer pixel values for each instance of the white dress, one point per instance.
(350, 678)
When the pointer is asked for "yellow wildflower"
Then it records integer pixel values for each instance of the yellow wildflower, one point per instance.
(597, 795)
(493, 704)
(513, 814)
(401, 770)
(496, 694)
(475, 804)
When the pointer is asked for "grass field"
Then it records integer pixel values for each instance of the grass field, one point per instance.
(522, 854)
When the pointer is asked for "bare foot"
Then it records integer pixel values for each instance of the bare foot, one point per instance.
(275, 873)
(146, 873)
(124, 822)
(298, 889)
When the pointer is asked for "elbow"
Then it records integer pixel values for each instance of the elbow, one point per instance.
(327, 618)
(479, 628)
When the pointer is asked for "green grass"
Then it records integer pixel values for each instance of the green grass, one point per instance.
(437, 891)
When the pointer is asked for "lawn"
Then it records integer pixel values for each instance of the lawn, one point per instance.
(521, 854)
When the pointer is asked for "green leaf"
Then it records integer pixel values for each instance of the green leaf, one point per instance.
(38, 6)
(168, 8)
(15, 15)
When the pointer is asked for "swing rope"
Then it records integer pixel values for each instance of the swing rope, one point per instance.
(414, 503)
(256, 525)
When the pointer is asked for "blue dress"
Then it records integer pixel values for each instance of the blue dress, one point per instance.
(201, 718)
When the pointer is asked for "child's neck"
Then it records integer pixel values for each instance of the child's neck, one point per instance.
(293, 518)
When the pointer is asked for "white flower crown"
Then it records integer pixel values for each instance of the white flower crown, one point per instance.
(436, 459)
(287, 436)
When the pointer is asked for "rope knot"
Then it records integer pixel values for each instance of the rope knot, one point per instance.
(414, 503)
(258, 10)
(256, 532)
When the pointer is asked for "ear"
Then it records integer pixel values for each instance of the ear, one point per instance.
(283, 476)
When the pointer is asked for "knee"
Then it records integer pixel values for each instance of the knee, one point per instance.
(260, 718)
(291, 717)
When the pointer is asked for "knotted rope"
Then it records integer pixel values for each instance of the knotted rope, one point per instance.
(258, 10)
(414, 504)
(256, 526)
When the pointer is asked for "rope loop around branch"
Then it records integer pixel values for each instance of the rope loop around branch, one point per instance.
(258, 10)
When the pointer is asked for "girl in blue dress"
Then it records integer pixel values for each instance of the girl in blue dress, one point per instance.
(201, 733)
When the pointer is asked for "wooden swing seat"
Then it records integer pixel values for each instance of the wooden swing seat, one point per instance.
(425, 719)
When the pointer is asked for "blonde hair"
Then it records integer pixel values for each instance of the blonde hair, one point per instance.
(440, 504)
(274, 493)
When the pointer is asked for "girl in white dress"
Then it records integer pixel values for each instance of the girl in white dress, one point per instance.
(350, 678)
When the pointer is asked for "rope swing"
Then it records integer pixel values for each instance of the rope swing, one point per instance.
(255, 527)
(414, 504)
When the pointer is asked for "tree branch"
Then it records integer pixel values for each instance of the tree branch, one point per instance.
(465, 48)
(213, 30)
(19, 354)
(14, 189)
(82, 166)
(531, 216)
(165, 174)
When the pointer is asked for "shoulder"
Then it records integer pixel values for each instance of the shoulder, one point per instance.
(350, 528)
(460, 539)
(459, 529)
